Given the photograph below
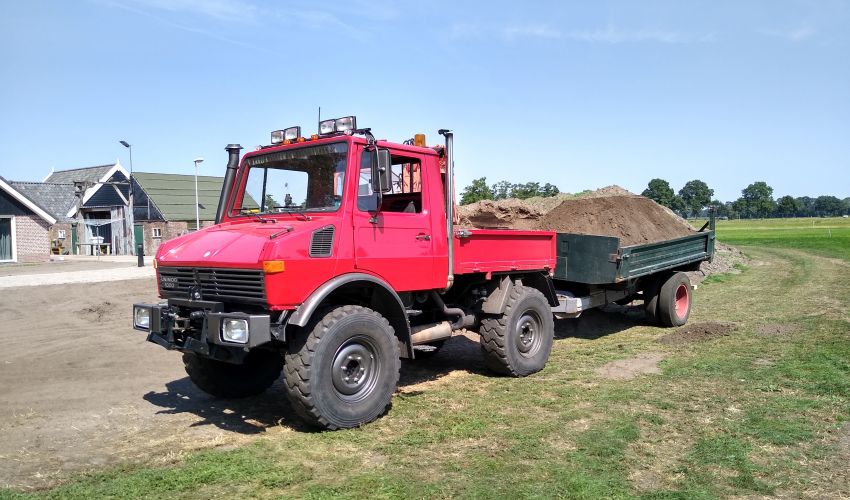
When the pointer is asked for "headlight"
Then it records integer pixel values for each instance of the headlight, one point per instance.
(142, 318)
(234, 330)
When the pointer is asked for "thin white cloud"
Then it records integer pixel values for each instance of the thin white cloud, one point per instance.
(183, 27)
(531, 31)
(609, 35)
(217, 9)
(798, 34)
(613, 35)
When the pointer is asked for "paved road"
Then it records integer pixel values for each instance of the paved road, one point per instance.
(81, 276)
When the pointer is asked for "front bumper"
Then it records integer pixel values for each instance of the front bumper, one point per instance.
(195, 327)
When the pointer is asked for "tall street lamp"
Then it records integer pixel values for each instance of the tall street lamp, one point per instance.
(132, 222)
(197, 203)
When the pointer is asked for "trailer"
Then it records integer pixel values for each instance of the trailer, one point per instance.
(336, 255)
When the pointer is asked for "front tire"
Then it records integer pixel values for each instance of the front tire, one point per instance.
(518, 342)
(257, 373)
(343, 368)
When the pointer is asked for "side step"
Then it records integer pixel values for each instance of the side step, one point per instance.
(570, 306)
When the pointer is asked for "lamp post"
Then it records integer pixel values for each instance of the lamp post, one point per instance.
(197, 203)
(132, 222)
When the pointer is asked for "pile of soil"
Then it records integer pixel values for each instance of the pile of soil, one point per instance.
(727, 260)
(633, 219)
(698, 332)
(502, 214)
(610, 211)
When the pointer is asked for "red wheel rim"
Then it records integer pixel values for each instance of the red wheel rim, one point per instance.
(683, 300)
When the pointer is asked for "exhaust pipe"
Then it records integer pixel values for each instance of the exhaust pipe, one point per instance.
(450, 201)
(229, 176)
(425, 334)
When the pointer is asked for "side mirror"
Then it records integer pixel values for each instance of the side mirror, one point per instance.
(381, 168)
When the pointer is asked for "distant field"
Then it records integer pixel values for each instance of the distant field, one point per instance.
(827, 236)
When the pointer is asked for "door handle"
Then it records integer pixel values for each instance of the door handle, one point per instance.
(425, 237)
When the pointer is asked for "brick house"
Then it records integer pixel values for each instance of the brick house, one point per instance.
(56, 199)
(24, 227)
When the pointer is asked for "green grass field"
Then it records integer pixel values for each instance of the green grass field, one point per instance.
(826, 236)
(761, 411)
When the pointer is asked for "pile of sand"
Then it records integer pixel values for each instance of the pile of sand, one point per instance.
(610, 211)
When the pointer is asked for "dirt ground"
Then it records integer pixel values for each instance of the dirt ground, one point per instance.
(81, 389)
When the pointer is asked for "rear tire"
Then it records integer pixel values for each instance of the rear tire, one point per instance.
(650, 300)
(674, 300)
(342, 369)
(226, 380)
(518, 342)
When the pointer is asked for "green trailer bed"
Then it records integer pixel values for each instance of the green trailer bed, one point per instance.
(600, 260)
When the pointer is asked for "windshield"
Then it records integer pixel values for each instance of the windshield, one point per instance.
(307, 179)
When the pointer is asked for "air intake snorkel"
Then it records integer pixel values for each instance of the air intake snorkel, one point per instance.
(229, 177)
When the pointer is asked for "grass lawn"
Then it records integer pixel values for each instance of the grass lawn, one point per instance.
(826, 236)
(763, 410)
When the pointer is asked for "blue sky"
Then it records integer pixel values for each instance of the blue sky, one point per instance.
(579, 94)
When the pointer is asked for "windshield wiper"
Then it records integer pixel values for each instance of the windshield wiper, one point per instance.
(298, 211)
(249, 211)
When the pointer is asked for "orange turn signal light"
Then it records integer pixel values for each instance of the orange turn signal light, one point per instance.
(273, 266)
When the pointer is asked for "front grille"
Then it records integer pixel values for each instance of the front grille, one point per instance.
(227, 285)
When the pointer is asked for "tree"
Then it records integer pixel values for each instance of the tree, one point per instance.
(678, 205)
(502, 190)
(787, 206)
(828, 205)
(807, 206)
(846, 203)
(527, 190)
(696, 195)
(757, 200)
(659, 191)
(720, 208)
(270, 203)
(549, 190)
(476, 191)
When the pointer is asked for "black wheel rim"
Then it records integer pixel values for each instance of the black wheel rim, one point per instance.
(356, 369)
(529, 334)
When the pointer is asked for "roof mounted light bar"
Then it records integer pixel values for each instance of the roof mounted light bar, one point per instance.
(346, 124)
(288, 134)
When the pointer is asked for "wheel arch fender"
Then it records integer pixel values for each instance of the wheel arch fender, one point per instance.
(497, 300)
(382, 298)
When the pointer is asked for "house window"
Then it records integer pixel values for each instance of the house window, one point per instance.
(60, 234)
(156, 232)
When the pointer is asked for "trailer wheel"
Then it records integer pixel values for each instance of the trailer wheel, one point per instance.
(650, 300)
(674, 300)
(342, 369)
(518, 342)
(226, 380)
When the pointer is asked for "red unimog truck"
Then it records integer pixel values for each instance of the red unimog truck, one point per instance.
(335, 255)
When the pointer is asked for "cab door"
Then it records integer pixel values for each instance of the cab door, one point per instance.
(396, 242)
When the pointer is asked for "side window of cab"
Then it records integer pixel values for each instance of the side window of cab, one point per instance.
(405, 195)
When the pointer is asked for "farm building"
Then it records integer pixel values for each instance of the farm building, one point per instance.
(164, 205)
(24, 226)
(100, 207)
